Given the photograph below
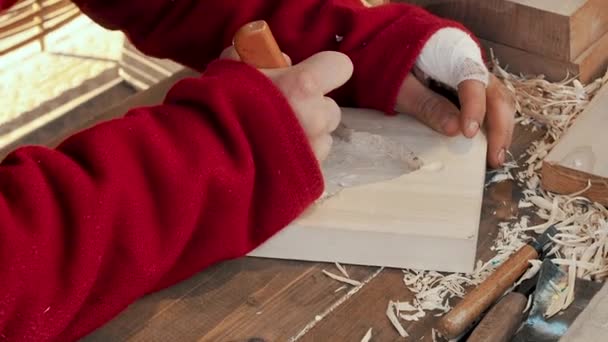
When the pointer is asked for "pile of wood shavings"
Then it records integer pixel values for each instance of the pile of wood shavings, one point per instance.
(581, 245)
(582, 242)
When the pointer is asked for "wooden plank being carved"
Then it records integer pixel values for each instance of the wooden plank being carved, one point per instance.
(562, 30)
(425, 219)
(580, 156)
(590, 65)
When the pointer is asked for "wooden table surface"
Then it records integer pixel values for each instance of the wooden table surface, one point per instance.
(254, 299)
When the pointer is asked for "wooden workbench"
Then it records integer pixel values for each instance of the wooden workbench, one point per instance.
(253, 299)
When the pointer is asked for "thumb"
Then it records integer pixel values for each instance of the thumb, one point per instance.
(330, 69)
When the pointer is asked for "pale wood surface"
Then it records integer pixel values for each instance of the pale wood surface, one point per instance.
(560, 30)
(391, 222)
(580, 156)
(559, 7)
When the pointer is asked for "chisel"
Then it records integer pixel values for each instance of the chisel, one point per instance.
(476, 302)
(502, 321)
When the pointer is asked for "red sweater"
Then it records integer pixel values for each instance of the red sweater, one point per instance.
(137, 204)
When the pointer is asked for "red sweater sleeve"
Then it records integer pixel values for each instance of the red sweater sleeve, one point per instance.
(138, 203)
(383, 42)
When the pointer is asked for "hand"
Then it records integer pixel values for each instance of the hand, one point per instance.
(305, 86)
(493, 105)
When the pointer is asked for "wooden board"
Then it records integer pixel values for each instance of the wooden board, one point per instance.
(400, 222)
(580, 156)
(590, 65)
(560, 29)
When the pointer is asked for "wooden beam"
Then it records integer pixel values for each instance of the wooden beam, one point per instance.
(579, 158)
(592, 64)
(562, 30)
(518, 61)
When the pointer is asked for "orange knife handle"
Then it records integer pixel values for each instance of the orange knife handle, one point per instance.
(255, 44)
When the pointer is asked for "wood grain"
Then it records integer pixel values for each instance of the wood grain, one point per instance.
(579, 157)
(240, 300)
(396, 223)
(367, 310)
(561, 30)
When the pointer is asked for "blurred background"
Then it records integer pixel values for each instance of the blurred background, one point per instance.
(55, 60)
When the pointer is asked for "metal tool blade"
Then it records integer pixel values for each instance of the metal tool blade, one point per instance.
(545, 241)
(537, 327)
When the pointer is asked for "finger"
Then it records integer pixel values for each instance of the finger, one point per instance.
(322, 146)
(329, 70)
(230, 53)
(318, 115)
(333, 114)
(287, 58)
(428, 107)
(500, 122)
(472, 95)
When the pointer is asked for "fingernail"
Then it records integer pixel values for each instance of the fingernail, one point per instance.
(472, 127)
(501, 156)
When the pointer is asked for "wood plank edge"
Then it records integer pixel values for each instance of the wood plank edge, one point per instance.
(593, 62)
(588, 24)
(564, 180)
(527, 63)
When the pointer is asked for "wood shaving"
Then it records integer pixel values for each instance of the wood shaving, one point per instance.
(413, 317)
(499, 177)
(582, 244)
(343, 287)
(530, 272)
(392, 316)
(558, 300)
(342, 279)
(528, 304)
(571, 283)
(502, 174)
(342, 270)
(368, 336)
(405, 306)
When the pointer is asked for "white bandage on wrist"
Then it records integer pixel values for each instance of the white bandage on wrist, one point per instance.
(451, 56)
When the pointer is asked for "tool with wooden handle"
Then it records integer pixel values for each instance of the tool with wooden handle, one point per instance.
(255, 44)
(475, 303)
(502, 321)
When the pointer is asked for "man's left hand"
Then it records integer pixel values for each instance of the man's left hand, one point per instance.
(493, 106)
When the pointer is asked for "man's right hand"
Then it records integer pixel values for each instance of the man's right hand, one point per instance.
(305, 86)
